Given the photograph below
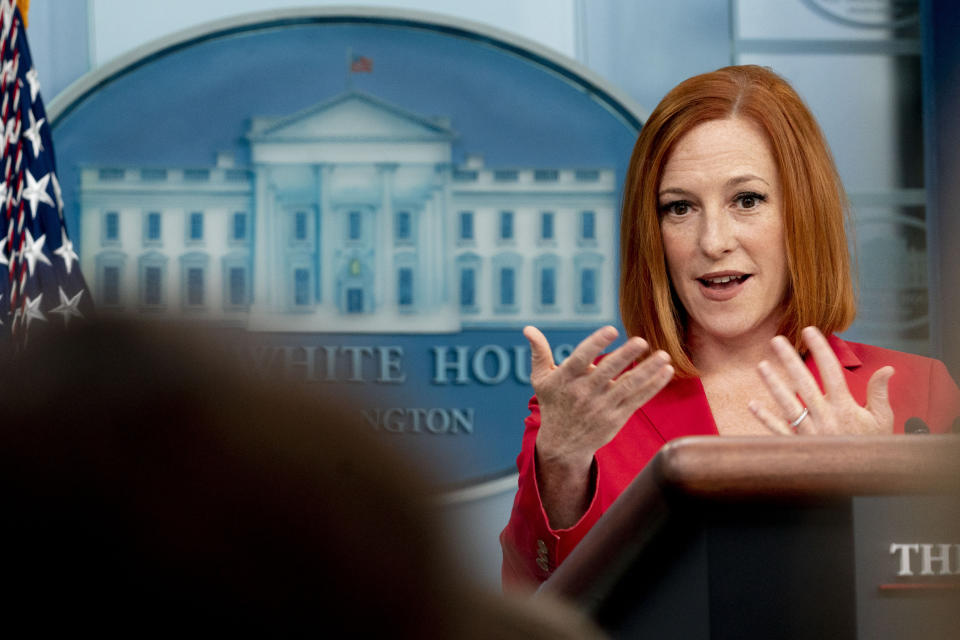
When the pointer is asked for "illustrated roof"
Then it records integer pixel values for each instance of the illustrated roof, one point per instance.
(350, 115)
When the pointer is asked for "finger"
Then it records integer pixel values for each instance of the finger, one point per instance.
(541, 357)
(640, 384)
(769, 419)
(802, 380)
(878, 396)
(831, 373)
(781, 392)
(587, 351)
(618, 360)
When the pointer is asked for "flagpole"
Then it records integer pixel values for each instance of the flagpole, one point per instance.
(349, 78)
(24, 6)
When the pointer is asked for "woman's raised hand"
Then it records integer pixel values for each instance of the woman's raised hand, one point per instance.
(583, 405)
(831, 411)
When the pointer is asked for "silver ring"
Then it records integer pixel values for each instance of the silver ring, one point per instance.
(800, 418)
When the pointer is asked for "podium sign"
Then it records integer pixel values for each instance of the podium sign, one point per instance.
(907, 566)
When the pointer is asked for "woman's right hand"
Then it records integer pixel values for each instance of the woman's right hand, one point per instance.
(583, 406)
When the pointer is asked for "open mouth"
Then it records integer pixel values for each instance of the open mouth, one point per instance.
(720, 283)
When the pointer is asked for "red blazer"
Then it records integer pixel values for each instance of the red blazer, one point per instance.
(921, 387)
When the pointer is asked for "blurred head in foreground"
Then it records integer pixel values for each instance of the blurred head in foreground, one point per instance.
(149, 486)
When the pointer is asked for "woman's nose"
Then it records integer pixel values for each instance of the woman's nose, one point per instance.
(717, 234)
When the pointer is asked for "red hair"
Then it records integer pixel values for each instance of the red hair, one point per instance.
(820, 289)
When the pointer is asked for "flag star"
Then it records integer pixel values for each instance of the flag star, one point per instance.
(33, 133)
(57, 192)
(33, 79)
(3, 252)
(34, 251)
(65, 250)
(32, 310)
(36, 191)
(68, 307)
(7, 72)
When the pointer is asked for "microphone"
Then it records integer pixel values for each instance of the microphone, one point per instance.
(917, 425)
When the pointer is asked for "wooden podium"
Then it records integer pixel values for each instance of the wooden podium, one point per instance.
(779, 538)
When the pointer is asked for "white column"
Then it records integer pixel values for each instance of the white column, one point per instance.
(277, 280)
(426, 252)
(386, 274)
(437, 267)
(321, 293)
(262, 276)
(446, 220)
(331, 238)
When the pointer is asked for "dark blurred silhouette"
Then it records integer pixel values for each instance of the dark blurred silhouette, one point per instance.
(147, 486)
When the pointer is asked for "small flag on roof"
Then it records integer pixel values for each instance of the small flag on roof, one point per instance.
(361, 64)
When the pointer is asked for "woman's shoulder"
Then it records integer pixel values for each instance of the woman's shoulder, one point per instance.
(920, 387)
(870, 357)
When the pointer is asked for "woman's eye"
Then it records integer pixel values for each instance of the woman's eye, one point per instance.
(678, 208)
(750, 200)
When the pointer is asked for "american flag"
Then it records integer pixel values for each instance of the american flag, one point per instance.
(360, 64)
(44, 284)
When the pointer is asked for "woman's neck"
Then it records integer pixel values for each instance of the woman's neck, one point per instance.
(713, 355)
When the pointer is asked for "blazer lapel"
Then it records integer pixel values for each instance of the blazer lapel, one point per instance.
(681, 409)
(845, 355)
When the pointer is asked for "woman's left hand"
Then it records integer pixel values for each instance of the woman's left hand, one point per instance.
(832, 411)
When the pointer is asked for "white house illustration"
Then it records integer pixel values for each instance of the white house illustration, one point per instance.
(352, 217)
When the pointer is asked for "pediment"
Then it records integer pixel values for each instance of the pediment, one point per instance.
(351, 116)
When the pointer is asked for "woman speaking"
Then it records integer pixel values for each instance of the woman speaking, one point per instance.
(734, 279)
